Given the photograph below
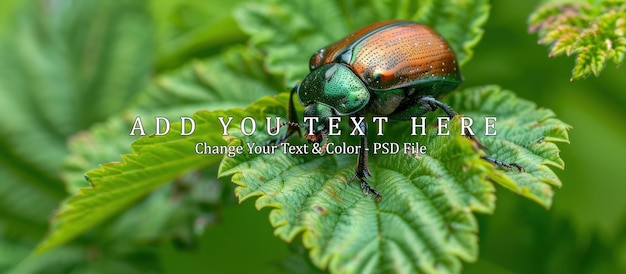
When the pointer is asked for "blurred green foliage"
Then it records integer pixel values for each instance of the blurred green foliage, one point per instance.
(585, 229)
(593, 31)
(426, 216)
(71, 71)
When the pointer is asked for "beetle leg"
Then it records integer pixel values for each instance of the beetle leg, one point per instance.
(290, 132)
(325, 142)
(434, 104)
(292, 122)
(362, 171)
(507, 166)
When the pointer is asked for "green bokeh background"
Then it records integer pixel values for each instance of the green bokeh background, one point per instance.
(584, 231)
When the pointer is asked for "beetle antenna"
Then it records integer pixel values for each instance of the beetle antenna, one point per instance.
(293, 124)
(290, 123)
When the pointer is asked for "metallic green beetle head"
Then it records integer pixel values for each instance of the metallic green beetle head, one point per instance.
(331, 90)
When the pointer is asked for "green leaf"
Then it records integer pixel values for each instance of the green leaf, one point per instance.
(525, 135)
(415, 222)
(424, 222)
(111, 46)
(219, 82)
(593, 31)
(189, 29)
(289, 32)
(426, 216)
(154, 161)
(60, 71)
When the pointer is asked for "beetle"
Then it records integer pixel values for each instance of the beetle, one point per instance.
(395, 68)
